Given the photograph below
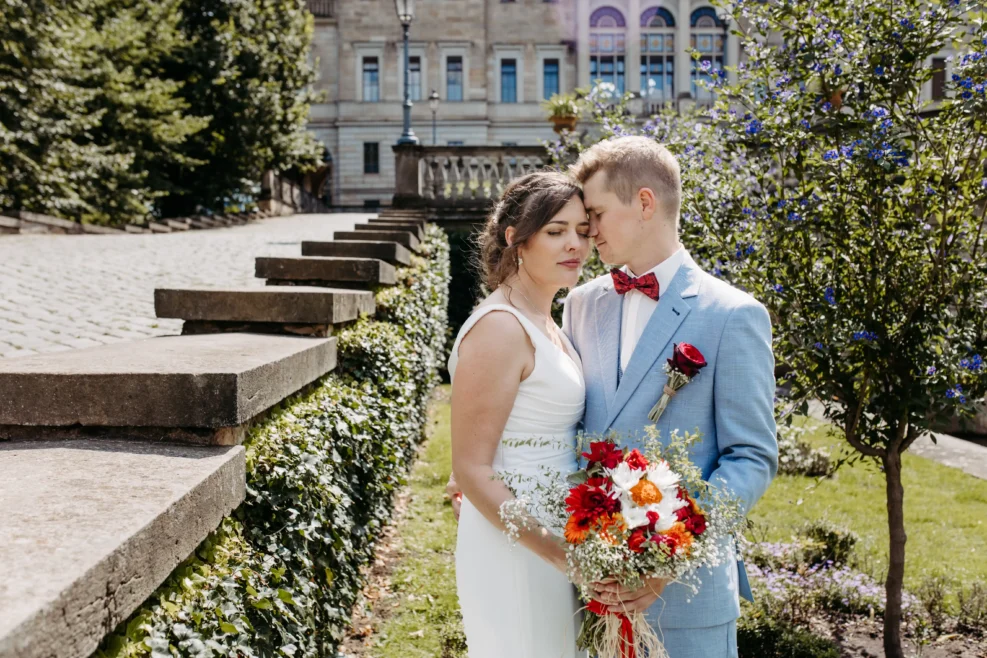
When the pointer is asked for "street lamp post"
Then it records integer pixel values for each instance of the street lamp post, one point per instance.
(723, 13)
(433, 104)
(406, 14)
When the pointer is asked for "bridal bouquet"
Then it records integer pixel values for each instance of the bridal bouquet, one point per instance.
(631, 516)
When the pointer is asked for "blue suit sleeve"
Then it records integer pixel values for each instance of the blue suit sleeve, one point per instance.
(743, 398)
(567, 320)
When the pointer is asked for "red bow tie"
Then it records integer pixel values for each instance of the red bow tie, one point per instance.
(647, 284)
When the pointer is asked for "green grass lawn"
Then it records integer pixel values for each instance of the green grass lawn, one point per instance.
(426, 622)
(945, 512)
(944, 508)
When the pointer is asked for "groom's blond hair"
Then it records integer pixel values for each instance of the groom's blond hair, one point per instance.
(633, 162)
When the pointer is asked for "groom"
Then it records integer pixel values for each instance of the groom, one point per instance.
(625, 325)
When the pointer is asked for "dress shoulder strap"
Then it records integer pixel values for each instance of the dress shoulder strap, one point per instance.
(526, 324)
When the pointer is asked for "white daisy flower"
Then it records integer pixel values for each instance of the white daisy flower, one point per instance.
(666, 509)
(662, 476)
(624, 477)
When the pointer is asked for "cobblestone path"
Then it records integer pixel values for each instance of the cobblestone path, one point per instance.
(63, 291)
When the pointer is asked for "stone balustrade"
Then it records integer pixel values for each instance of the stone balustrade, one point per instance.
(460, 176)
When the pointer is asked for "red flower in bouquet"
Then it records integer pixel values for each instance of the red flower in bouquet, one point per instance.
(687, 359)
(604, 453)
(590, 502)
(677, 538)
(696, 524)
(637, 540)
(636, 460)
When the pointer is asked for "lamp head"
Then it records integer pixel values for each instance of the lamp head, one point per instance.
(433, 100)
(405, 10)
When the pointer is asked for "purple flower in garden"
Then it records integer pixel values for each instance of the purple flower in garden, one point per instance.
(794, 216)
(973, 364)
(805, 124)
(931, 371)
(830, 296)
(777, 287)
(830, 155)
(753, 127)
(827, 106)
(818, 346)
(879, 70)
(864, 335)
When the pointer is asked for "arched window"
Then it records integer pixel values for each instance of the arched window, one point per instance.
(607, 46)
(657, 55)
(709, 38)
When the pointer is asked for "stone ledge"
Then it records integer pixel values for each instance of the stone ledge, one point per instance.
(401, 237)
(389, 252)
(208, 381)
(281, 304)
(415, 229)
(345, 272)
(92, 528)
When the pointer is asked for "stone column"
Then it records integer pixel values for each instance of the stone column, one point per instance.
(683, 63)
(407, 181)
(732, 50)
(582, 43)
(633, 62)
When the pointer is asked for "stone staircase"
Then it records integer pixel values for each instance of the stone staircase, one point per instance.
(118, 460)
(22, 222)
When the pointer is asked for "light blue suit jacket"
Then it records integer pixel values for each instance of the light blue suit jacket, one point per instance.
(730, 402)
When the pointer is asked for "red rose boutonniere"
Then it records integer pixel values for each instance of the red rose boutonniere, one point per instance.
(686, 362)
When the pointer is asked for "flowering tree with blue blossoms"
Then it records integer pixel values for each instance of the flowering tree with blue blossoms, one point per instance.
(825, 183)
(863, 218)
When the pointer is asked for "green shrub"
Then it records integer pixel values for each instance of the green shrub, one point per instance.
(828, 542)
(973, 609)
(280, 574)
(760, 637)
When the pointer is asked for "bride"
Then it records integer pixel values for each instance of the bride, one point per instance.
(517, 377)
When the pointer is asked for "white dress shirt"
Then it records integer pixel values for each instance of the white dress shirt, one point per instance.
(638, 307)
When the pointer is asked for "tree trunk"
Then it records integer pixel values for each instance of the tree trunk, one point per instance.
(896, 566)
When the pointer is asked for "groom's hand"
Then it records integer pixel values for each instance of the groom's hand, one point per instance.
(455, 495)
(618, 598)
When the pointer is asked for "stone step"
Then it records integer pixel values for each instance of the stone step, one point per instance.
(198, 224)
(156, 227)
(199, 389)
(176, 224)
(309, 311)
(92, 527)
(330, 272)
(134, 228)
(389, 252)
(401, 237)
(415, 229)
(384, 221)
(13, 226)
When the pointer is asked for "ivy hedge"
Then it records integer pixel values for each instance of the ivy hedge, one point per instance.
(281, 573)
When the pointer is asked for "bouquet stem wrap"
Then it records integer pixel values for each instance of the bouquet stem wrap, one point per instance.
(625, 635)
(676, 380)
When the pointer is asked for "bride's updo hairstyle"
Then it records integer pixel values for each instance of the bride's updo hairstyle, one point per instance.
(527, 204)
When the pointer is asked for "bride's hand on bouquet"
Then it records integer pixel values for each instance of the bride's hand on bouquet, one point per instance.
(618, 598)
(455, 495)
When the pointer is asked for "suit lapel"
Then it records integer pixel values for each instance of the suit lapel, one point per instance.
(671, 312)
(608, 319)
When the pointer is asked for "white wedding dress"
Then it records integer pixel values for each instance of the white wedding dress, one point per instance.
(514, 604)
